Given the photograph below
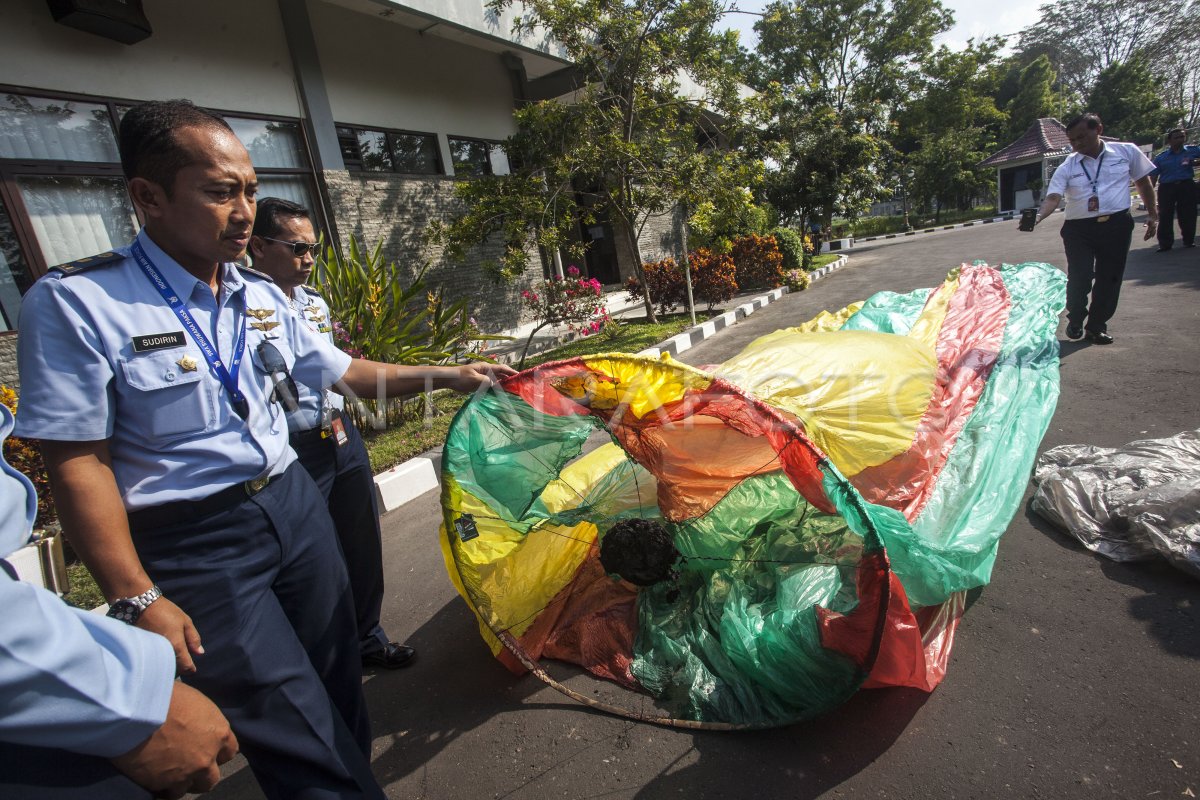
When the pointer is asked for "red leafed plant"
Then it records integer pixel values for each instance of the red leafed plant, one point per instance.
(759, 262)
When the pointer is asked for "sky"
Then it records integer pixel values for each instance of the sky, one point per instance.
(972, 18)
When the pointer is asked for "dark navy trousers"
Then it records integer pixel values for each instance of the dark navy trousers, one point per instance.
(1176, 200)
(344, 476)
(266, 589)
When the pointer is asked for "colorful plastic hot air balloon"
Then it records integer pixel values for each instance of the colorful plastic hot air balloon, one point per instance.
(751, 545)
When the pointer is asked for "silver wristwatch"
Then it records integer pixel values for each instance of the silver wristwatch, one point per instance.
(129, 609)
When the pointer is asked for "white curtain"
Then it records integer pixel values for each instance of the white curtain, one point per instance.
(287, 188)
(74, 217)
(57, 130)
(271, 144)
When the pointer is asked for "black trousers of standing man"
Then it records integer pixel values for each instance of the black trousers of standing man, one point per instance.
(1176, 200)
(1096, 251)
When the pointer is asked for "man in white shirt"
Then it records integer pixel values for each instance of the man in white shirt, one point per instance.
(1098, 228)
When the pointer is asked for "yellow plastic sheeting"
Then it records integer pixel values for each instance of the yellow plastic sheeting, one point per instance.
(642, 387)
(521, 574)
(928, 326)
(859, 394)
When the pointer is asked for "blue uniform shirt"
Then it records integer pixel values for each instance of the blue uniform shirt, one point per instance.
(313, 312)
(1174, 167)
(172, 429)
(70, 679)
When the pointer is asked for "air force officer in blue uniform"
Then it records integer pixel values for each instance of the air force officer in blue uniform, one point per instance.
(153, 377)
(326, 440)
(89, 707)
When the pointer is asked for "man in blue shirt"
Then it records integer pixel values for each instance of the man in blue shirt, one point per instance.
(89, 707)
(1173, 171)
(155, 377)
(325, 440)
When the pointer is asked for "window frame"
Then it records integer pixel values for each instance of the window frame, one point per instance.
(451, 138)
(357, 169)
(13, 168)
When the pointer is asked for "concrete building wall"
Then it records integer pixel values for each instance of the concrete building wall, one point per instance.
(226, 54)
(383, 74)
(396, 209)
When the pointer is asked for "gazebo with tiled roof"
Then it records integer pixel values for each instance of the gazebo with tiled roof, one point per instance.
(1024, 167)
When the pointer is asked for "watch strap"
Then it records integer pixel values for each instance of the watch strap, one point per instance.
(129, 609)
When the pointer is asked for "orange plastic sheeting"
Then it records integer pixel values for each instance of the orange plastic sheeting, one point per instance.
(592, 622)
(968, 344)
(900, 659)
(914, 649)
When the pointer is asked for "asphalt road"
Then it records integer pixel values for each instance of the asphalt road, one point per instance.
(1071, 677)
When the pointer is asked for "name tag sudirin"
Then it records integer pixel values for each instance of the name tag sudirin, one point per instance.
(158, 341)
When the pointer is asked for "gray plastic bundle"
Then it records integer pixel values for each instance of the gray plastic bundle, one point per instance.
(1129, 503)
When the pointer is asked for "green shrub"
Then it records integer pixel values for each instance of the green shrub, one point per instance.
(759, 262)
(378, 316)
(797, 280)
(791, 246)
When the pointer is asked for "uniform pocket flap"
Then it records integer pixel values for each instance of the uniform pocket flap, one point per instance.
(151, 371)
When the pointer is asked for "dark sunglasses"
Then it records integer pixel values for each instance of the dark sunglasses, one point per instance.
(285, 393)
(299, 249)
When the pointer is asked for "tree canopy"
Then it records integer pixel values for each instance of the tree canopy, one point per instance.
(838, 68)
(631, 142)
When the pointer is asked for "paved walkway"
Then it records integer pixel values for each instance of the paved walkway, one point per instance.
(1072, 677)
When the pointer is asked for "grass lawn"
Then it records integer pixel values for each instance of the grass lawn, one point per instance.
(822, 260)
(400, 443)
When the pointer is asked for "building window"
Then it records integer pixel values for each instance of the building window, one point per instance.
(476, 157)
(63, 195)
(371, 150)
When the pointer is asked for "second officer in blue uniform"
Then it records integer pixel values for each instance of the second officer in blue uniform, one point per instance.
(1174, 170)
(153, 376)
(326, 441)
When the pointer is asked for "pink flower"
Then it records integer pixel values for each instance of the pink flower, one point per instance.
(572, 270)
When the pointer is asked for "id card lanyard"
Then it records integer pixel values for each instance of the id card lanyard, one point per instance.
(227, 377)
(1094, 200)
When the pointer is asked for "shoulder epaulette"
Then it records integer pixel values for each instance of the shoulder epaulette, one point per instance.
(80, 264)
(312, 290)
(256, 273)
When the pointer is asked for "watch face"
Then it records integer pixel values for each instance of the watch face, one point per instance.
(125, 610)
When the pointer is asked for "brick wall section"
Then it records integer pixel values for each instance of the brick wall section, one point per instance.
(8, 361)
(396, 209)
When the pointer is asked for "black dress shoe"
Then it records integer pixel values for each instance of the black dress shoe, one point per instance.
(1163, 250)
(1074, 331)
(393, 655)
(1189, 244)
(1099, 338)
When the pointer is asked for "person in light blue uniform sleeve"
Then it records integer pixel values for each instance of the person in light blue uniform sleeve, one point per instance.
(155, 377)
(1174, 173)
(326, 441)
(80, 692)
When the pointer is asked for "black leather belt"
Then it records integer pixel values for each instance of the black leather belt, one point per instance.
(1103, 217)
(302, 438)
(181, 510)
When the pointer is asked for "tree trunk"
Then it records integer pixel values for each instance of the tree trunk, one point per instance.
(636, 249)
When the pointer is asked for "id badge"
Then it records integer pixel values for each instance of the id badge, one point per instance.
(1093, 203)
(339, 431)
